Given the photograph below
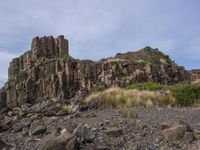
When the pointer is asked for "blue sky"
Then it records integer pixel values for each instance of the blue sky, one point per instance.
(101, 28)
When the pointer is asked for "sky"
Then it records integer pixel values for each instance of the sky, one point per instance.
(102, 28)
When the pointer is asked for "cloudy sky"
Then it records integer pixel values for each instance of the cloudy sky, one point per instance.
(101, 28)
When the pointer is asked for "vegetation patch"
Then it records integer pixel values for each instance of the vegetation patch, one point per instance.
(147, 86)
(148, 95)
(186, 95)
(97, 88)
(117, 97)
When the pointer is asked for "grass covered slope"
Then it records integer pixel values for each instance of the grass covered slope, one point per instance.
(146, 55)
(149, 95)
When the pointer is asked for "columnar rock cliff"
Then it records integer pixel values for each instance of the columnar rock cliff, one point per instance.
(48, 72)
(195, 74)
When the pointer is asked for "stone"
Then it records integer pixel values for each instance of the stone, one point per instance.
(102, 147)
(37, 128)
(25, 131)
(173, 123)
(72, 144)
(2, 144)
(33, 117)
(189, 137)
(54, 142)
(84, 133)
(2, 98)
(114, 132)
(26, 122)
(51, 142)
(174, 133)
(62, 113)
(5, 124)
(70, 126)
(51, 111)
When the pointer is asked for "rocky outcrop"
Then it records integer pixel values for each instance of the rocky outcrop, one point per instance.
(38, 73)
(48, 72)
(146, 65)
(195, 74)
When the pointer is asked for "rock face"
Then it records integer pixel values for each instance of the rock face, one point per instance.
(48, 72)
(195, 74)
(37, 74)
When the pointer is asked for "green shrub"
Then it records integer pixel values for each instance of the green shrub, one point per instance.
(186, 95)
(97, 88)
(147, 86)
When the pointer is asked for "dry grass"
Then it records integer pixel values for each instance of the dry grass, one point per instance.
(196, 81)
(117, 97)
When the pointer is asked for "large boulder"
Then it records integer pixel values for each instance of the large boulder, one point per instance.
(178, 130)
(18, 126)
(37, 128)
(59, 142)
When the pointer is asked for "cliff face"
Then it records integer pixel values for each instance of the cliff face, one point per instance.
(37, 73)
(195, 74)
(48, 72)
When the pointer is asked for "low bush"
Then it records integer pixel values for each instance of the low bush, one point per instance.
(186, 95)
(147, 86)
(97, 88)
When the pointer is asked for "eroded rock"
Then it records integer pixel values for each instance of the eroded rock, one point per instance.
(37, 128)
(178, 130)
(26, 122)
(114, 132)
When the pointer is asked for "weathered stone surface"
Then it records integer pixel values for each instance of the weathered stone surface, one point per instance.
(48, 72)
(174, 133)
(72, 144)
(179, 130)
(114, 132)
(2, 144)
(51, 141)
(26, 122)
(37, 128)
(195, 74)
(84, 133)
(5, 123)
(2, 99)
(189, 137)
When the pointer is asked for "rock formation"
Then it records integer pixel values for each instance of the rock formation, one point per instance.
(48, 72)
(195, 74)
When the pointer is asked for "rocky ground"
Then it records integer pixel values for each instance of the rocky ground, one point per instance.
(46, 126)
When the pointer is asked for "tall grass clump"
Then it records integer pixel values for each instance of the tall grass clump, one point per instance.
(148, 94)
(117, 97)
